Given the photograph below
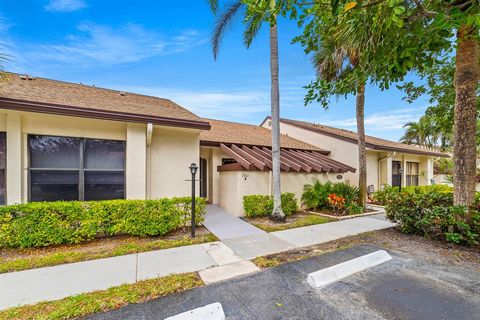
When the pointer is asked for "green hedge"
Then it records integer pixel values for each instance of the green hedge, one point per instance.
(40, 224)
(430, 213)
(261, 206)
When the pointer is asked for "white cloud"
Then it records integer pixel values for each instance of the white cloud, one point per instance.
(236, 106)
(130, 42)
(380, 122)
(65, 5)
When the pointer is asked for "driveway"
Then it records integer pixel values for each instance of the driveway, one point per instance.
(405, 288)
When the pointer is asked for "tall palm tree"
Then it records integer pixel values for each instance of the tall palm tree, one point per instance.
(253, 21)
(467, 77)
(333, 61)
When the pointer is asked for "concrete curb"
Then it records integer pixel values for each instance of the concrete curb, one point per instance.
(212, 311)
(324, 277)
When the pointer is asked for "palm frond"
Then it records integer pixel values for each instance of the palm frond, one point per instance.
(224, 21)
(253, 25)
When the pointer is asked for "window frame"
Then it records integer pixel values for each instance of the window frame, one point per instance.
(408, 177)
(81, 166)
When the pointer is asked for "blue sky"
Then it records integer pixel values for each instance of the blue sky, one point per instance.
(162, 48)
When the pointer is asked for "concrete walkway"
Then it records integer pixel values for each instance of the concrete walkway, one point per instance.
(320, 233)
(226, 226)
(214, 261)
(52, 283)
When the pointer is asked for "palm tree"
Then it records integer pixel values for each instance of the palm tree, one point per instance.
(333, 61)
(467, 77)
(253, 20)
(422, 133)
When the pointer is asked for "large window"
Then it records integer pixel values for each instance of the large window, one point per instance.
(63, 168)
(412, 173)
(3, 162)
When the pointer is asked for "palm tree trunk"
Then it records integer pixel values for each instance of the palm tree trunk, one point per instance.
(277, 213)
(362, 153)
(465, 118)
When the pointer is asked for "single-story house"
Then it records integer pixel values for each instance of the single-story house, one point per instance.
(67, 141)
(384, 158)
(236, 161)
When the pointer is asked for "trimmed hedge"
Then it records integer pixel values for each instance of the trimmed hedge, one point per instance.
(261, 206)
(40, 224)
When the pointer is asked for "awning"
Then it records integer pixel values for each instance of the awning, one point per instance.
(259, 158)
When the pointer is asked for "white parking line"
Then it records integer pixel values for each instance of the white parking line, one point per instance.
(345, 269)
(212, 311)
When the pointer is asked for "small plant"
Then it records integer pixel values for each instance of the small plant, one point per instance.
(337, 203)
(261, 206)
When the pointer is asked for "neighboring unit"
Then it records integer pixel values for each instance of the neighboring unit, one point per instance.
(388, 162)
(236, 161)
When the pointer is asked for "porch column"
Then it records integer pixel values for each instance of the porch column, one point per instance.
(404, 172)
(14, 159)
(136, 168)
(389, 171)
(429, 171)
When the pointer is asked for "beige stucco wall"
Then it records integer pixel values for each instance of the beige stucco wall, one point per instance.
(347, 152)
(136, 161)
(234, 185)
(214, 156)
(172, 151)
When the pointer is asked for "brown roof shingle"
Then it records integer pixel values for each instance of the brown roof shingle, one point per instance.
(246, 134)
(57, 97)
(371, 142)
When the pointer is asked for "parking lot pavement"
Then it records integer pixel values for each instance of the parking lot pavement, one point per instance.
(406, 287)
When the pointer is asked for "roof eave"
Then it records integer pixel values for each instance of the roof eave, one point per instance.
(65, 110)
(369, 145)
(208, 143)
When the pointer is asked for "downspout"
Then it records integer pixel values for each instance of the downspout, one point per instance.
(380, 167)
(149, 160)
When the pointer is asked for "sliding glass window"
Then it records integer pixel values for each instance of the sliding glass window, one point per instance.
(64, 168)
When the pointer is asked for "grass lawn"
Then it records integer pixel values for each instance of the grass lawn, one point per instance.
(296, 220)
(23, 259)
(101, 301)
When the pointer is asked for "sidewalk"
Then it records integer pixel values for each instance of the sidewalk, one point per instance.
(214, 261)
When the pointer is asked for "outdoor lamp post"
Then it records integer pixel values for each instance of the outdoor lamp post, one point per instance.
(400, 172)
(193, 170)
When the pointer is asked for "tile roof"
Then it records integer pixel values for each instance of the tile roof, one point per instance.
(246, 134)
(371, 142)
(57, 97)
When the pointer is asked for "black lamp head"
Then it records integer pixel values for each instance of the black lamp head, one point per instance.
(193, 168)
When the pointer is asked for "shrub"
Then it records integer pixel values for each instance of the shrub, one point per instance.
(262, 206)
(40, 224)
(353, 208)
(316, 195)
(431, 213)
(382, 196)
